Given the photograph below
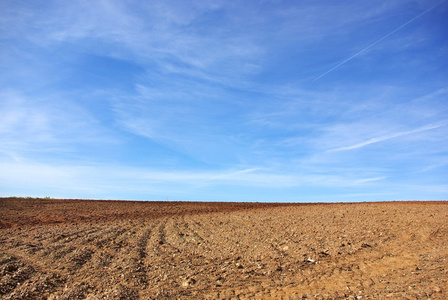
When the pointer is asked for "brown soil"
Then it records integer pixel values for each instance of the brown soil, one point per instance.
(78, 249)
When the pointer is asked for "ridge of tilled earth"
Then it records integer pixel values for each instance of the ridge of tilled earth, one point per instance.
(335, 251)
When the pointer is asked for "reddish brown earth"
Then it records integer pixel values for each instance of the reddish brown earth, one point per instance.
(78, 249)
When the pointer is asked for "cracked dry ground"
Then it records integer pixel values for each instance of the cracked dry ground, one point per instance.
(67, 249)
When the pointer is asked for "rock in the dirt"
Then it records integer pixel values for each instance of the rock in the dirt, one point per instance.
(188, 282)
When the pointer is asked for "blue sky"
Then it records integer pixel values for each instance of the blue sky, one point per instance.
(297, 101)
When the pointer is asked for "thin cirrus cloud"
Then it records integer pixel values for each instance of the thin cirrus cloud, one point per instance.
(101, 181)
(389, 137)
(224, 100)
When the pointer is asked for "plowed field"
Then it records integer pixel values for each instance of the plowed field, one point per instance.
(75, 249)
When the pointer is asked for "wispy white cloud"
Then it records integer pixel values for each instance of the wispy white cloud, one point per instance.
(434, 166)
(185, 39)
(99, 180)
(389, 137)
(42, 125)
(364, 180)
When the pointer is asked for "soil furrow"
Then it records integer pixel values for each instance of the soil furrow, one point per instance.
(157, 250)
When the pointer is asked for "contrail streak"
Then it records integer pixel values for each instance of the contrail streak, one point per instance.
(377, 41)
(389, 137)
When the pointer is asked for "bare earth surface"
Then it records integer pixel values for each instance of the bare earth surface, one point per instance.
(75, 249)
